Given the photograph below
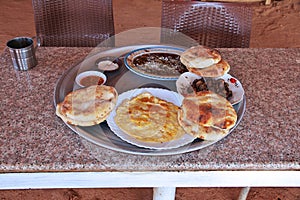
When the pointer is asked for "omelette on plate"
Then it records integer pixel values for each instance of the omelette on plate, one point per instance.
(149, 118)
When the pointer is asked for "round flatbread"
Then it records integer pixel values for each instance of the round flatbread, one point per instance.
(88, 106)
(200, 57)
(149, 118)
(215, 70)
(207, 115)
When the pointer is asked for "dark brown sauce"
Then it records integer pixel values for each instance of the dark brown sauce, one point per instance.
(162, 63)
(217, 86)
(91, 80)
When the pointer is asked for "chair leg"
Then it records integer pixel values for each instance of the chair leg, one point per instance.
(244, 193)
(164, 193)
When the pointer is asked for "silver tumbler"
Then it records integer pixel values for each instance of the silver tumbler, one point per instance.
(22, 53)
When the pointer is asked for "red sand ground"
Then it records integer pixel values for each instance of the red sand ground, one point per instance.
(275, 25)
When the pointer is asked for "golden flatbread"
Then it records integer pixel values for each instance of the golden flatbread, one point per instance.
(88, 106)
(207, 115)
(149, 119)
(215, 70)
(200, 57)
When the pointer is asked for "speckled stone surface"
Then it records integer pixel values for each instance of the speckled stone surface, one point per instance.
(32, 138)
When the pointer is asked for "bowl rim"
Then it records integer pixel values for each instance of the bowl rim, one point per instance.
(89, 73)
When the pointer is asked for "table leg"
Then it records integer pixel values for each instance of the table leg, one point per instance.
(164, 193)
(244, 193)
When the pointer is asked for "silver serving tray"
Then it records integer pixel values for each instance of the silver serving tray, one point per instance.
(123, 80)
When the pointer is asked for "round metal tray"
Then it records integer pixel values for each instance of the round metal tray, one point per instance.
(123, 80)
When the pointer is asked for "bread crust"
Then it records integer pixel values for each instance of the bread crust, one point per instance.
(87, 106)
(213, 71)
(207, 115)
(200, 57)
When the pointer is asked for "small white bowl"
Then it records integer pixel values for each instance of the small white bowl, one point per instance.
(107, 65)
(89, 78)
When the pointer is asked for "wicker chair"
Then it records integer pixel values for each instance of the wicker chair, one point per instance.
(73, 22)
(209, 23)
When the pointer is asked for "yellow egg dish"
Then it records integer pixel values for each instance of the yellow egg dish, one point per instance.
(149, 119)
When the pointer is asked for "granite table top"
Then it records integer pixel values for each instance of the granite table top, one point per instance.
(33, 138)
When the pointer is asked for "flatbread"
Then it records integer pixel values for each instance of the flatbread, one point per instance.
(149, 119)
(215, 70)
(88, 106)
(200, 57)
(207, 115)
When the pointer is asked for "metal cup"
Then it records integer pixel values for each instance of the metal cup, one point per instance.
(22, 53)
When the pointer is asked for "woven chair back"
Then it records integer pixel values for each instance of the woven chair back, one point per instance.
(208, 23)
(73, 23)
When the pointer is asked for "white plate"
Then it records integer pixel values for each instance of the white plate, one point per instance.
(184, 85)
(167, 95)
(153, 69)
